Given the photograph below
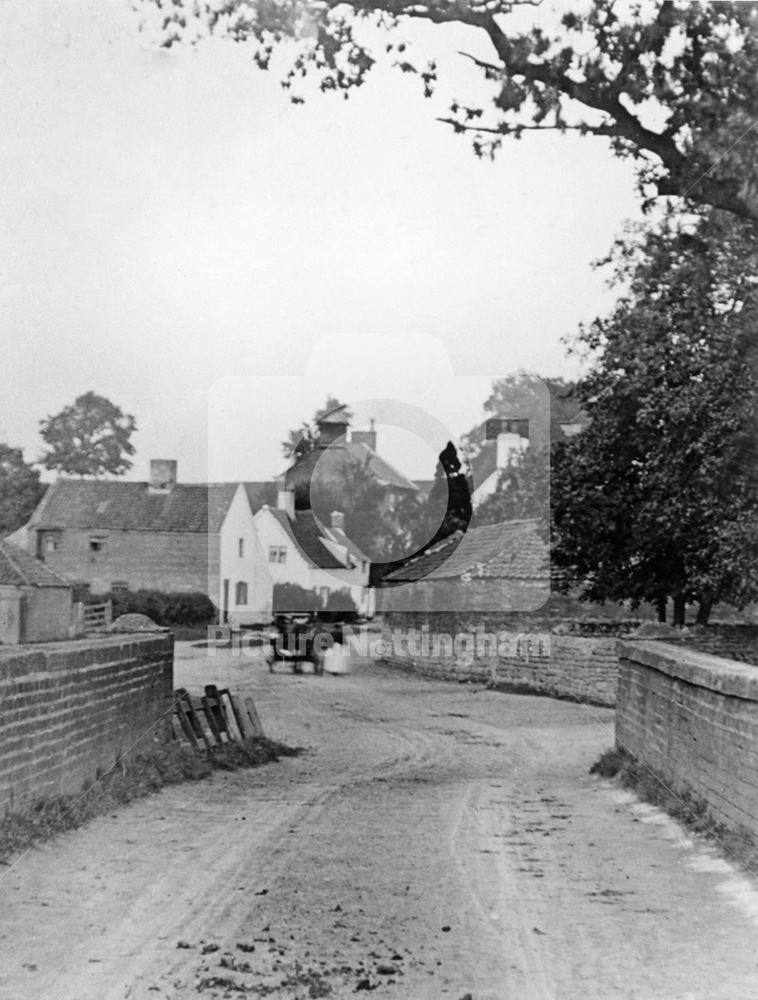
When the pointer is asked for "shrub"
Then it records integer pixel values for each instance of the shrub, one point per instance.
(291, 598)
(339, 606)
(192, 608)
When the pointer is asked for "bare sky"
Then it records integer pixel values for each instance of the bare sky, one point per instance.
(170, 221)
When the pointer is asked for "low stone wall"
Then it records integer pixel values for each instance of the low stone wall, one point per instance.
(69, 710)
(693, 719)
(578, 668)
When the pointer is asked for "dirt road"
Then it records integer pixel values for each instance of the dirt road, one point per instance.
(435, 841)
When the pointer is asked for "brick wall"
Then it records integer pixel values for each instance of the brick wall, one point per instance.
(70, 709)
(580, 668)
(693, 719)
(160, 560)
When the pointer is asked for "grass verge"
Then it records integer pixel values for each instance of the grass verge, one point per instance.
(736, 845)
(130, 779)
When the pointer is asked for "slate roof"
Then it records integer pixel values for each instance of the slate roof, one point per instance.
(97, 505)
(20, 569)
(306, 535)
(512, 550)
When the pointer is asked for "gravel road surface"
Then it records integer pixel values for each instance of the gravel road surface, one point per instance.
(435, 841)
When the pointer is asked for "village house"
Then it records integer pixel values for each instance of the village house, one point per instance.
(496, 567)
(35, 603)
(301, 550)
(159, 535)
(337, 447)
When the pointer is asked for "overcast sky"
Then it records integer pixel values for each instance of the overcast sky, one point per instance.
(178, 236)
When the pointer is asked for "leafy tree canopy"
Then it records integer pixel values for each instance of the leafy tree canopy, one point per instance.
(20, 489)
(658, 497)
(545, 402)
(670, 84)
(89, 438)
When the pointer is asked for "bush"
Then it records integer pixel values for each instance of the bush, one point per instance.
(291, 598)
(165, 609)
(339, 606)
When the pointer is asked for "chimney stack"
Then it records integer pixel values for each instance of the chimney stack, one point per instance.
(507, 445)
(366, 437)
(338, 520)
(162, 475)
(285, 500)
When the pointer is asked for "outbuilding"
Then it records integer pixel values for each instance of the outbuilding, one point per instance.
(35, 603)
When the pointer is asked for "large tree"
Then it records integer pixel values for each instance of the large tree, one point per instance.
(91, 437)
(20, 489)
(658, 497)
(670, 84)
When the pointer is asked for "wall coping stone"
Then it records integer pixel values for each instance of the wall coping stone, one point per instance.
(727, 677)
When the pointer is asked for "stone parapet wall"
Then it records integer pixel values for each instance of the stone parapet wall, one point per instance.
(579, 668)
(693, 719)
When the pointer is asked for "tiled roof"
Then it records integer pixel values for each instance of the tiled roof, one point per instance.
(512, 550)
(20, 569)
(418, 568)
(304, 532)
(97, 505)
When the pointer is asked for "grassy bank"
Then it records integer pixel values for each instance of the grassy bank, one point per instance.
(131, 779)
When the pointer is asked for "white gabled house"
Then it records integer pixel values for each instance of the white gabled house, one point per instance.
(300, 550)
(244, 583)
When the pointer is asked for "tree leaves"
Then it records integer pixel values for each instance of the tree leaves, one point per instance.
(659, 495)
(89, 438)
(687, 67)
(20, 489)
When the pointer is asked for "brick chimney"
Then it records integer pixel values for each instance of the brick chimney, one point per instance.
(162, 475)
(338, 520)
